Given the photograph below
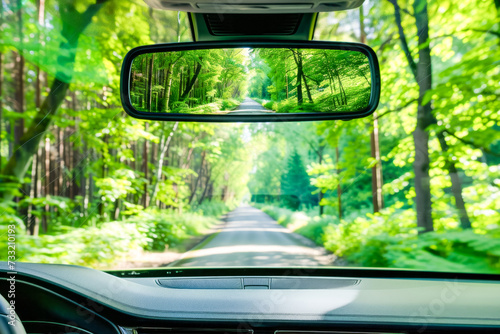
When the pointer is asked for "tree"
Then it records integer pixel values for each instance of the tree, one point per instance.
(73, 24)
(422, 71)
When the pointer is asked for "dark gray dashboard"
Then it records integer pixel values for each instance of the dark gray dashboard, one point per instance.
(261, 300)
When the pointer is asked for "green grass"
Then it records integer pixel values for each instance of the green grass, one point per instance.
(103, 244)
(390, 239)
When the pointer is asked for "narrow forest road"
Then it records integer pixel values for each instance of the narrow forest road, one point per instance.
(249, 106)
(252, 238)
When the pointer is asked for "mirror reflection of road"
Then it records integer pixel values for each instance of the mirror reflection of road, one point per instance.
(252, 238)
(249, 106)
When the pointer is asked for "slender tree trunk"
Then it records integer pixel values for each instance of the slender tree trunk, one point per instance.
(298, 62)
(149, 87)
(377, 179)
(191, 82)
(339, 187)
(168, 87)
(19, 99)
(32, 220)
(456, 185)
(163, 149)
(321, 149)
(1, 90)
(46, 184)
(309, 96)
(207, 182)
(38, 82)
(19, 79)
(145, 199)
(424, 119)
(198, 178)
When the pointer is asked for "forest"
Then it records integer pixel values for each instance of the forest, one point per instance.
(302, 80)
(217, 80)
(416, 185)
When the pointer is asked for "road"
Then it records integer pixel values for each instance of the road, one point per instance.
(249, 106)
(252, 238)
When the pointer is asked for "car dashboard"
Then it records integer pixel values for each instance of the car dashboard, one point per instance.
(71, 299)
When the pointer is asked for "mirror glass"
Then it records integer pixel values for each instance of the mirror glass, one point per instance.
(251, 81)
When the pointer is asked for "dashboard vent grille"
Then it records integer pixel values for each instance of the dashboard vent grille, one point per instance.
(276, 283)
(252, 24)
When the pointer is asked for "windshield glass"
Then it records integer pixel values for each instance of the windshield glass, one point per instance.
(414, 186)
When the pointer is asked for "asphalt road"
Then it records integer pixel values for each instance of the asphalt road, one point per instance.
(252, 238)
(249, 106)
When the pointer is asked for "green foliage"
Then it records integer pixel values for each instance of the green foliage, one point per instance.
(295, 182)
(170, 229)
(95, 246)
(304, 223)
(214, 208)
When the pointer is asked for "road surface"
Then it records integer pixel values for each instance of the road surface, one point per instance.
(249, 106)
(252, 238)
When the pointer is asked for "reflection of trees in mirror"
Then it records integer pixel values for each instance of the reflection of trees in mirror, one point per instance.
(294, 80)
(218, 80)
(200, 81)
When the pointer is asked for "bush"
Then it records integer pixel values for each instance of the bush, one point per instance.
(270, 105)
(214, 208)
(165, 229)
(96, 246)
(364, 240)
(305, 224)
(102, 245)
(229, 104)
(389, 239)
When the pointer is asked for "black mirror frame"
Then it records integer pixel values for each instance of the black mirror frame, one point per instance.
(231, 118)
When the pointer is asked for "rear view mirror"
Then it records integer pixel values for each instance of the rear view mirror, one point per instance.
(250, 81)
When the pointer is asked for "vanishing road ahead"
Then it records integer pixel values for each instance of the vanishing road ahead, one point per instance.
(252, 238)
(249, 106)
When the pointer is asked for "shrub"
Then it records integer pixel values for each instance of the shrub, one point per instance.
(96, 246)
(165, 229)
(229, 104)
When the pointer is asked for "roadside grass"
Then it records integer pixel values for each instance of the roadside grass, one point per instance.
(390, 239)
(323, 102)
(104, 244)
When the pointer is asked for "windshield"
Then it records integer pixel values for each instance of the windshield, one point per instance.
(414, 186)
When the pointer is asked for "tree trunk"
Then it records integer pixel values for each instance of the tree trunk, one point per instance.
(38, 82)
(377, 179)
(191, 82)
(320, 194)
(145, 198)
(309, 96)
(298, 62)
(168, 87)
(456, 184)
(1, 103)
(1, 90)
(193, 193)
(339, 188)
(149, 87)
(424, 119)
(19, 99)
(207, 182)
(19, 78)
(46, 190)
(163, 149)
